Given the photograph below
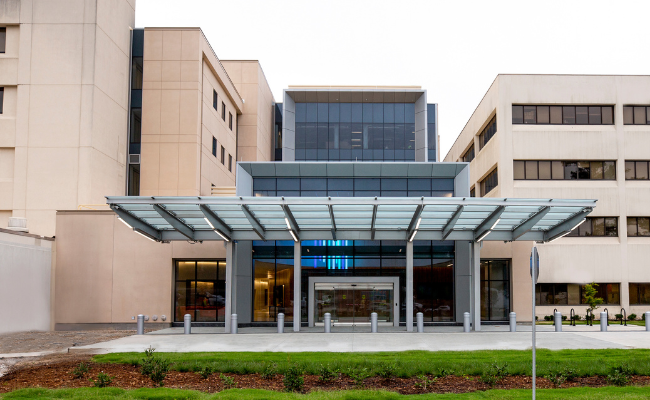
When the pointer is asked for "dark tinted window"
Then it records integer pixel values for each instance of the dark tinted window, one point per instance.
(567, 170)
(490, 182)
(136, 73)
(3, 39)
(487, 132)
(517, 114)
(469, 155)
(215, 100)
(223, 110)
(229, 162)
(568, 115)
(2, 96)
(636, 170)
(230, 120)
(597, 226)
(214, 146)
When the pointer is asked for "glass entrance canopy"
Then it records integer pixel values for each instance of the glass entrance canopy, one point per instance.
(166, 219)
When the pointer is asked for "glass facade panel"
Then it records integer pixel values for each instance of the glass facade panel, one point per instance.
(200, 290)
(495, 290)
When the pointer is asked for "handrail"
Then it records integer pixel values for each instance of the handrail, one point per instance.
(624, 314)
(572, 315)
(607, 311)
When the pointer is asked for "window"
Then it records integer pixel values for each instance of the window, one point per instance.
(636, 115)
(134, 180)
(223, 110)
(3, 39)
(490, 182)
(136, 73)
(495, 289)
(229, 163)
(135, 131)
(214, 146)
(636, 170)
(200, 290)
(223, 156)
(215, 100)
(230, 120)
(596, 226)
(564, 170)
(562, 115)
(638, 226)
(472, 192)
(573, 294)
(639, 293)
(487, 133)
(469, 155)
(2, 99)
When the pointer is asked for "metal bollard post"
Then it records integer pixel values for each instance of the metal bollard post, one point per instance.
(466, 322)
(233, 324)
(328, 322)
(647, 321)
(558, 321)
(281, 323)
(420, 322)
(603, 321)
(373, 322)
(513, 322)
(140, 324)
(187, 324)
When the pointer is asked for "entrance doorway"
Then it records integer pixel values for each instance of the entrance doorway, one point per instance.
(350, 301)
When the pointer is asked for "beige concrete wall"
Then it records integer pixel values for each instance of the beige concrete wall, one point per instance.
(106, 273)
(255, 136)
(180, 72)
(66, 73)
(568, 260)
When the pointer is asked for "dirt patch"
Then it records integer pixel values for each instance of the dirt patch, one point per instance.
(57, 373)
(28, 342)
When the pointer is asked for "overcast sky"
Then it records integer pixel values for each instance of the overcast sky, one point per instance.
(452, 48)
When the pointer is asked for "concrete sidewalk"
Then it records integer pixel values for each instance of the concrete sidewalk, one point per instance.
(343, 339)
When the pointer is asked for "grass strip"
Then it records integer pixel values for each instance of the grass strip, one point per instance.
(409, 363)
(609, 393)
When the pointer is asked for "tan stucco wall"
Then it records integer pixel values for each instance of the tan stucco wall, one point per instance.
(106, 273)
(65, 75)
(180, 72)
(568, 260)
(255, 136)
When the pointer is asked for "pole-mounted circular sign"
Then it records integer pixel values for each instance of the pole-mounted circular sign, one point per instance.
(534, 263)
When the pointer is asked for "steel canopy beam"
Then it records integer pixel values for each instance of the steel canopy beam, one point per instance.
(414, 220)
(257, 227)
(489, 222)
(137, 223)
(329, 206)
(372, 224)
(567, 225)
(216, 222)
(529, 223)
(174, 221)
(289, 215)
(449, 226)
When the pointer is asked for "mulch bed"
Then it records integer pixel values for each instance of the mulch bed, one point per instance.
(57, 374)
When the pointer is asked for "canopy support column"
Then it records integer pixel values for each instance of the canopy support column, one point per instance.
(297, 281)
(230, 256)
(475, 294)
(409, 287)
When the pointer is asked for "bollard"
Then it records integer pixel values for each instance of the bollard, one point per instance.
(513, 322)
(373, 322)
(281, 323)
(647, 318)
(466, 322)
(328, 322)
(558, 321)
(420, 322)
(187, 324)
(603, 321)
(140, 324)
(233, 324)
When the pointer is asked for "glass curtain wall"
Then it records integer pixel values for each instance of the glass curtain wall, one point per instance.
(355, 132)
(495, 290)
(200, 290)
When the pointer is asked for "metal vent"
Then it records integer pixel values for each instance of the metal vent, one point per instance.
(134, 158)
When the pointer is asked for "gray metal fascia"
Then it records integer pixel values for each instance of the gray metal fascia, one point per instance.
(567, 225)
(257, 227)
(216, 222)
(175, 222)
(449, 226)
(137, 223)
(528, 224)
(487, 223)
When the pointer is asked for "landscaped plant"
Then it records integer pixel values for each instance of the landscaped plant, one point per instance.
(495, 373)
(228, 382)
(444, 372)
(103, 380)
(548, 318)
(589, 297)
(80, 370)
(206, 371)
(269, 371)
(620, 376)
(564, 318)
(559, 378)
(618, 317)
(154, 367)
(424, 381)
(386, 370)
(358, 375)
(631, 317)
(327, 374)
(293, 379)
(576, 317)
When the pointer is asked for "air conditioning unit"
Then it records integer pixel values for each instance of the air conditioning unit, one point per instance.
(134, 158)
(17, 224)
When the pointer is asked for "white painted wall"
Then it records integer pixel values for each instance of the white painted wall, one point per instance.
(25, 273)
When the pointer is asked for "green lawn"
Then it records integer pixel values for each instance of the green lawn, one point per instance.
(409, 363)
(608, 393)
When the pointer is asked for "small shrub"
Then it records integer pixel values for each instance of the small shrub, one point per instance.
(327, 374)
(561, 377)
(424, 381)
(444, 372)
(548, 318)
(387, 370)
(488, 378)
(619, 376)
(500, 370)
(618, 317)
(269, 371)
(153, 367)
(576, 317)
(103, 380)
(495, 373)
(358, 375)
(564, 318)
(293, 379)
(80, 370)
(205, 372)
(632, 317)
(228, 382)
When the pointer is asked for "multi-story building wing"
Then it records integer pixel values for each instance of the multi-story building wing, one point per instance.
(566, 136)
